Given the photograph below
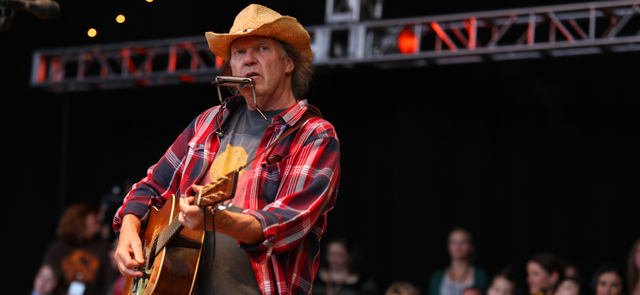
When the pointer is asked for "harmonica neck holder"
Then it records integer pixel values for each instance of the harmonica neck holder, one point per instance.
(241, 83)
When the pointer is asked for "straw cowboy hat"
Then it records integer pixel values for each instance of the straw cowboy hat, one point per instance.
(257, 20)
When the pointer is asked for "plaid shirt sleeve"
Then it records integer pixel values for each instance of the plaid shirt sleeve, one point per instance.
(306, 184)
(165, 177)
(308, 189)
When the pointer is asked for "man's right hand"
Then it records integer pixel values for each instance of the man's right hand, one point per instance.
(129, 252)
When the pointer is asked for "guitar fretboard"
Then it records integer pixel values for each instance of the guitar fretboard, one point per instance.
(163, 238)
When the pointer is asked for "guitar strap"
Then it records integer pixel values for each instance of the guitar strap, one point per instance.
(310, 113)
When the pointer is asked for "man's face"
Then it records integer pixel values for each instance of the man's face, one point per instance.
(264, 60)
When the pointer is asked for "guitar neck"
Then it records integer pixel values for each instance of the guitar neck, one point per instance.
(168, 233)
(222, 189)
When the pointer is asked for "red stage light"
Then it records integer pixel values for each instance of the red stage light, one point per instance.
(407, 42)
(187, 78)
(219, 62)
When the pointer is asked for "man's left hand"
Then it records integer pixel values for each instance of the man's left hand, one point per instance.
(191, 216)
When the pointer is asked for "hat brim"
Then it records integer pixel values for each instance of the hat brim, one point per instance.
(285, 28)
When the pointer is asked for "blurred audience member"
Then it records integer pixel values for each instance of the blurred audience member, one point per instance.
(607, 280)
(340, 273)
(503, 283)
(633, 270)
(402, 288)
(49, 281)
(79, 251)
(472, 291)
(544, 272)
(109, 204)
(461, 273)
(571, 270)
(569, 286)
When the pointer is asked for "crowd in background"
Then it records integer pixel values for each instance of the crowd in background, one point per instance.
(547, 274)
(80, 262)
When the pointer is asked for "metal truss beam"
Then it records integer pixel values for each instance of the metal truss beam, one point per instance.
(123, 65)
(561, 30)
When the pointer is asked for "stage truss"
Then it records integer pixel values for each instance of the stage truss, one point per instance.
(537, 32)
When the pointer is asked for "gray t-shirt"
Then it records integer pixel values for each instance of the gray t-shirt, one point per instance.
(231, 272)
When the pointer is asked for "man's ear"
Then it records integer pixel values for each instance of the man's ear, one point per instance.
(290, 65)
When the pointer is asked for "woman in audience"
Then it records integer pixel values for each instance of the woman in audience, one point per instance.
(79, 252)
(402, 288)
(544, 272)
(633, 270)
(607, 280)
(461, 273)
(503, 283)
(571, 270)
(49, 281)
(570, 286)
(339, 274)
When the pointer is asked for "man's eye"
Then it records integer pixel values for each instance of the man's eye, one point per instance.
(263, 48)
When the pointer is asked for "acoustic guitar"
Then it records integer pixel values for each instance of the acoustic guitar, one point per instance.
(171, 251)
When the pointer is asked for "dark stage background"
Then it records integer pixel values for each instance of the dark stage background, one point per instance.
(532, 155)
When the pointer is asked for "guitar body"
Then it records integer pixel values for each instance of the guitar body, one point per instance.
(173, 269)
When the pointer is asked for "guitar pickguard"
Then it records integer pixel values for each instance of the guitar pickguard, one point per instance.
(140, 284)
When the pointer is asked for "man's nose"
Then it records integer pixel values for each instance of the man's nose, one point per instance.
(249, 57)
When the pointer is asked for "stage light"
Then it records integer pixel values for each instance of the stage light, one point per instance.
(407, 42)
(219, 62)
(92, 32)
(120, 18)
(149, 1)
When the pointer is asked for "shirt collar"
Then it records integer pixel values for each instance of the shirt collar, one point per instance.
(291, 115)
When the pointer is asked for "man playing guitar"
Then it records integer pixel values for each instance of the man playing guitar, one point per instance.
(267, 242)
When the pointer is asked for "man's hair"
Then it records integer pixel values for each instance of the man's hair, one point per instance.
(300, 77)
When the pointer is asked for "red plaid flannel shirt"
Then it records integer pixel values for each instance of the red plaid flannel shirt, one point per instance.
(290, 198)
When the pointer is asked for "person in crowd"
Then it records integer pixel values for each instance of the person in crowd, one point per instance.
(340, 274)
(472, 291)
(49, 281)
(544, 272)
(402, 288)
(503, 283)
(607, 280)
(569, 286)
(79, 251)
(461, 273)
(109, 204)
(633, 269)
(571, 270)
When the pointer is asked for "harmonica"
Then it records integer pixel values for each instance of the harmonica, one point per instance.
(232, 81)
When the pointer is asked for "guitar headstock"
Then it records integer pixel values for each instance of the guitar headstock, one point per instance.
(223, 188)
